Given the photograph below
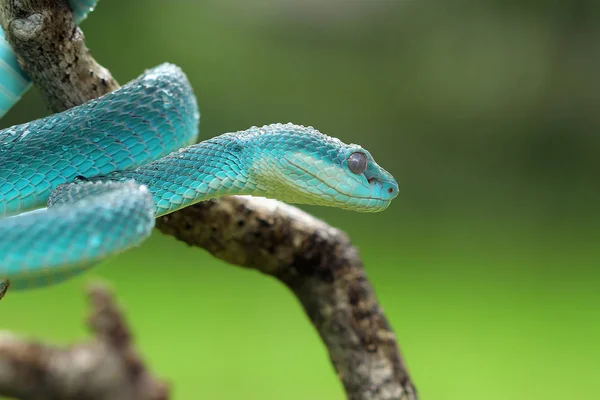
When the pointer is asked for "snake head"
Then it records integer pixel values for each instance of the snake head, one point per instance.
(308, 167)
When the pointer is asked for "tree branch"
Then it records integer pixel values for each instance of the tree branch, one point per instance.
(320, 265)
(52, 50)
(317, 262)
(105, 368)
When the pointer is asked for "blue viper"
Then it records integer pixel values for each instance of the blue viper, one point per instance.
(106, 169)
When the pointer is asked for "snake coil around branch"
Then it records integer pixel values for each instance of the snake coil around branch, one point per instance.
(317, 262)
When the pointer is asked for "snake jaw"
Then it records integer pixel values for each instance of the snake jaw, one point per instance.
(304, 166)
(108, 168)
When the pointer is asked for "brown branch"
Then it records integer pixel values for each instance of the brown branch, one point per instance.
(317, 262)
(105, 368)
(52, 51)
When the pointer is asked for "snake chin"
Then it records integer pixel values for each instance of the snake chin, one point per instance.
(303, 166)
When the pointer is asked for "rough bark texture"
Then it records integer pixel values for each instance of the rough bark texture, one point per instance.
(53, 52)
(317, 262)
(320, 265)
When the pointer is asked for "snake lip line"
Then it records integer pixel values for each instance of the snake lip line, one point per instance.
(328, 185)
(115, 210)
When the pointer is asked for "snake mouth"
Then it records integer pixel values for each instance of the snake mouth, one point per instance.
(330, 186)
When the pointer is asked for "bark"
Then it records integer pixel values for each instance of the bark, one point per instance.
(104, 368)
(317, 262)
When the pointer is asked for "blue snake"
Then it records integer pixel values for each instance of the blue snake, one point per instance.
(88, 183)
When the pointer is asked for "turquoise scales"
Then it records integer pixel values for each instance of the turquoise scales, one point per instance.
(108, 168)
(142, 121)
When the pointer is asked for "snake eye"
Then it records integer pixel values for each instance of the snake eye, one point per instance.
(357, 163)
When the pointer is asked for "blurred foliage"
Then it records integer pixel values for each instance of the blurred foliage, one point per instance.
(487, 114)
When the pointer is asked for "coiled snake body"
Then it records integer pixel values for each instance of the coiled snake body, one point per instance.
(106, 169)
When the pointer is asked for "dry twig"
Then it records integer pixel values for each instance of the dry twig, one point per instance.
(105, 368)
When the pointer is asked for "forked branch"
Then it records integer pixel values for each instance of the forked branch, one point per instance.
(317, 262)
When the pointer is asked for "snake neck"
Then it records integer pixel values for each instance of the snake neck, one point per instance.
(208, 170)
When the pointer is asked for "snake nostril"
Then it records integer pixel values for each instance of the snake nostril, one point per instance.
(390, 190)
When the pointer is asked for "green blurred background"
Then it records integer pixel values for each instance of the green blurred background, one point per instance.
(486, 264)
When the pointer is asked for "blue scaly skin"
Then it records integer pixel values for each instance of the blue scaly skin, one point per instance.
(108, 168)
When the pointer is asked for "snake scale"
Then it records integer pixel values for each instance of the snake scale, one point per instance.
(85, 184)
